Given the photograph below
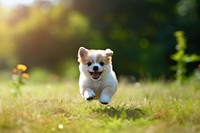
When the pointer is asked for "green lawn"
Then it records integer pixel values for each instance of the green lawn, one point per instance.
(148, 107)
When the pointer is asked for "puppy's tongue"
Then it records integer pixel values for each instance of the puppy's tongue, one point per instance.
(95, 75)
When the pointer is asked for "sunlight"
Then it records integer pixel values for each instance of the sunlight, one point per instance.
(13, 3)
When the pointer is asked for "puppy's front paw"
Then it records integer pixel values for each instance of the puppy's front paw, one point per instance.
(104, 99)
(104, 103)
(90, 98)
(89, 95)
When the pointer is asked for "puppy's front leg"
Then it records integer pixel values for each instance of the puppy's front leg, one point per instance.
(88, 94)
(106, 95)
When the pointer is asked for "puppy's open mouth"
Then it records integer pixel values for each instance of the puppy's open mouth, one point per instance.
(95, 75)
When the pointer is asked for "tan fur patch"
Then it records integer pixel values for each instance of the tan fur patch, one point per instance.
(101, 57)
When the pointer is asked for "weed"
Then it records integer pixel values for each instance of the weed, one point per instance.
(181, 57)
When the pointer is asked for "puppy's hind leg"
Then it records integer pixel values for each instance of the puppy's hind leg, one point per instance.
(88, 94)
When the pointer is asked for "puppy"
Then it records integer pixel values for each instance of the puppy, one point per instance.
(97, 78)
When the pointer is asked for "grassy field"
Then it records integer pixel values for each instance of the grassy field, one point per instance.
(147, 107)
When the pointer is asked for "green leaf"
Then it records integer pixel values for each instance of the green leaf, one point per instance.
(178, 56)
(192, 58)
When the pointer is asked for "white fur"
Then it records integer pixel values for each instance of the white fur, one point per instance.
(102, 88)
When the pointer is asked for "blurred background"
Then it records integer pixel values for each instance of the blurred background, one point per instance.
(46, 34)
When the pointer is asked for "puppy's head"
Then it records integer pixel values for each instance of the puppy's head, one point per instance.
(94, 63)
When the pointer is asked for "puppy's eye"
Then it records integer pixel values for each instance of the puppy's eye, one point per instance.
(89, 63)
(101, 63)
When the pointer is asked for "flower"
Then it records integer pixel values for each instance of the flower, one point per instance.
(21, 67)
(25, 75)
(60, 126)
(19, 77)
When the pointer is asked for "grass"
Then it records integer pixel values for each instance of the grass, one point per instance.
(148, 107)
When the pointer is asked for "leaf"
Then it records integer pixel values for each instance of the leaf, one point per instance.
(191, 58)
(178, 56)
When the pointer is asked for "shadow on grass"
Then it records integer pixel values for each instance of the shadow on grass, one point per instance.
(121, 112)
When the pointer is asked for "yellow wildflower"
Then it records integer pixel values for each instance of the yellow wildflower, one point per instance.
(21, 67)
(25, 75)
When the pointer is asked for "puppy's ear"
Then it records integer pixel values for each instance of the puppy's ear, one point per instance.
(82, 52)
(109, 52)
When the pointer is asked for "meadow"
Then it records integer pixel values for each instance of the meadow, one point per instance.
(46, 36)
(143, 107)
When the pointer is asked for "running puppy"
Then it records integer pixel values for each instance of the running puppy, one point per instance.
(97, 78)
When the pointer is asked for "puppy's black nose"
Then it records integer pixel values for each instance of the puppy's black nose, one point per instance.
(95, 68)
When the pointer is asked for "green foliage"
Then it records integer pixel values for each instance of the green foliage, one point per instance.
(47, 34)
(42, 35)
(181, 57)
(140, 38)
(54, 34)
